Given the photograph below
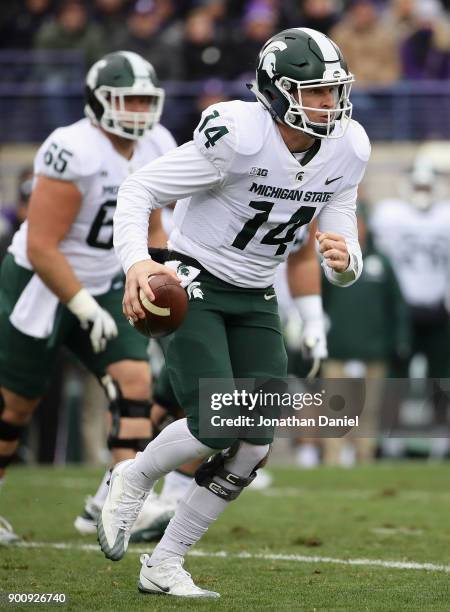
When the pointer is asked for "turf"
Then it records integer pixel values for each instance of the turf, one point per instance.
(391, 512)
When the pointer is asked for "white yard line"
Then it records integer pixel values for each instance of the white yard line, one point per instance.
(407, 531)
(416, 495)
(405, 565)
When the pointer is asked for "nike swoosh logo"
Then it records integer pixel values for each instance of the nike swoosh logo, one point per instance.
(159, 586)
(328, 181)
(269, 297)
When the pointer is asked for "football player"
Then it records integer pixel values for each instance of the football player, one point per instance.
(254, 173)
(61, 282)
(413, 231)
(297, 285)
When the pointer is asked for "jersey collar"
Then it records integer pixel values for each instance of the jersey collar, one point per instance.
(311, 152)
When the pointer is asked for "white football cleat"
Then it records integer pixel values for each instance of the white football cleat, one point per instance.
(153, 518)
(169, 578)
(86, 523)
(7, 535)
(119, 512)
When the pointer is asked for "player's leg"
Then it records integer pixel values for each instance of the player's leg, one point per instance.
(125, 361)
(217, 483)
(188, 354)
(256, 349)
(15, 414)
(159, 509)
(127, 385)
(125, 375)
(131, 427)
(165, 401)
(25, 366)
(334, 448)
(436, 348)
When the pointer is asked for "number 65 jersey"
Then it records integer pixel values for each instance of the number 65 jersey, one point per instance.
(249, 195)
(81, 154)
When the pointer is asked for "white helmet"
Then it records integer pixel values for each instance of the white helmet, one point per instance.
(113, 78)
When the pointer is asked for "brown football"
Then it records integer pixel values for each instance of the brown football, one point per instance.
(166, 313)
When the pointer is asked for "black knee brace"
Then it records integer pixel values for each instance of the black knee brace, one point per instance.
(135, 409)
(8, 433)
(120, 407)
(214, 466)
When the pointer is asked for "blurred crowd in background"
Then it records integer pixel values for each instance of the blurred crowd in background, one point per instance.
(383, 40)
(205, 51)
(399, 320)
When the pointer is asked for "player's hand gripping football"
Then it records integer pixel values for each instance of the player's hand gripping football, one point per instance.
(94, 318)
(334, 250)
(137, 278)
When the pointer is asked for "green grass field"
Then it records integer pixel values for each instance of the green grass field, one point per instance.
(326, 539)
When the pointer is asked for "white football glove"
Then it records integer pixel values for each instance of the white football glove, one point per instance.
(92, 316)
(313, 343)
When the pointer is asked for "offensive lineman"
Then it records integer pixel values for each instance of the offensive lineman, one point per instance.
(61, 280)
(256, 172)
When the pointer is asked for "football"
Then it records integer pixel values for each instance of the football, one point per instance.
(166, 313)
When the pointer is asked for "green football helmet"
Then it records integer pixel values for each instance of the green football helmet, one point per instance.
(113, 78)
(297, 59)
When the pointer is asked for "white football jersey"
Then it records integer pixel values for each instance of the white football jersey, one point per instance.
(417, 244)
(244, 208)
(82, 154)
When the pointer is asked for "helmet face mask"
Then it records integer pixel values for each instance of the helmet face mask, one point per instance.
(108, 84)
(422, 186)
(116, 119)
(298, 115)
(295, 62)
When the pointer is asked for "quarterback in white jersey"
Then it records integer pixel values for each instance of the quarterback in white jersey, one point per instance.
(254, 173)
(61, 282)
(250, 194)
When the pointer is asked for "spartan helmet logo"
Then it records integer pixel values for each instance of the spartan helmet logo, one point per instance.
(194, 291)
(267, 59)
(183, 270)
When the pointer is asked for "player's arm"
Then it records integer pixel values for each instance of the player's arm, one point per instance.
(303, 270)
(304, 281)
(176, 175)
(54, 205)
(338, 239)
(338, 230)
(157, 237)
(55, 202)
